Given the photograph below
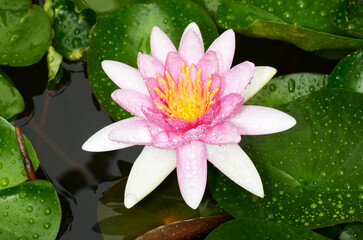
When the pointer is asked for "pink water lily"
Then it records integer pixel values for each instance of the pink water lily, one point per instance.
(188, 109)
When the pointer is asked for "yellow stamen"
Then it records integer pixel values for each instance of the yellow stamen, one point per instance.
(186, 100)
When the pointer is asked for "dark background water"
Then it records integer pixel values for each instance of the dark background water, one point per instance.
(58, 122)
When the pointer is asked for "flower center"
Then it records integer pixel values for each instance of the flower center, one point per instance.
(187, 100)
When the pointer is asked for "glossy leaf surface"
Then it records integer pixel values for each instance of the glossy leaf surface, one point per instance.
(11, 101)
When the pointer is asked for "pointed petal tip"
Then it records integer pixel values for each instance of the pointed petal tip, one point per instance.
(193, 204)
(130, 200)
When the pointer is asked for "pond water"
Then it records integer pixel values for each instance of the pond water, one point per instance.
(59, 122)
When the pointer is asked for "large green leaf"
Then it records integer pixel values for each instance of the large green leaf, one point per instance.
(30, 211)
(24, 32)
(348, 73)
(11, 165)
(284, 89)
(304, 23)
(11, 101)
(254, 230)
(312, 174)
(71, 29)
(123, 33)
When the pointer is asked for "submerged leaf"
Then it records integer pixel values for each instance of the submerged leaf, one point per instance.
(11, 101)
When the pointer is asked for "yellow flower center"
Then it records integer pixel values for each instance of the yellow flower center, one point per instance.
(186, 100)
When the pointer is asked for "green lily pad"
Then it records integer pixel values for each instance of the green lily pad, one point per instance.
(30, 211)
(284, 89)
(304, 23)
(71, 29)
(164, 205)
(120, 37)
(24, 32)
(348, 73)
(210, 6)
(11, 101)
(11, 165)
(312, 173)
(253, 229)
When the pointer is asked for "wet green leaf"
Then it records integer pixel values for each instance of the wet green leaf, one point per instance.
(71, 29)
(284, 89)
(11, 165)
(30, 211)
(11, 101)
(24, 32)
(164, 205)
(55, 70)
(254, 229)
(123, 33)
(304, 23)
(209, 5)
(348, 73)
(311, 173)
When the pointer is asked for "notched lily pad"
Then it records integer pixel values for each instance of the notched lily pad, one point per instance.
(253, 229)
(311, 173)
(11, 165)
(120, 37)
(30, 211)
(24, 32)
(11, 101)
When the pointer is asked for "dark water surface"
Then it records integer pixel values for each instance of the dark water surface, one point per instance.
(59, 122)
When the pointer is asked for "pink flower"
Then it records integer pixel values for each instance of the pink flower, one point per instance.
(188, 108)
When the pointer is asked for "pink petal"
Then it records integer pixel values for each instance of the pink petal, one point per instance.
(173, 65)
(124, 76)
(226, 106)
(195, 27)
(225, 133)
(224, 47)
(236, 79)
(160, 44)
(208, 64)
(138, 132)
(132, 101)
(257, 120)
(166, 140)
(99, 142)
(191, 166)
(233, 162)
(149, 66)
(191, 48)
(156, 117)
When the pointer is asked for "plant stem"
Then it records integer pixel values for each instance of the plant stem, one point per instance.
(27, 163)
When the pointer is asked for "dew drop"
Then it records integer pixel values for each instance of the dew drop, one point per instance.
(29, 209)
(47, 211)
(4, 182)
(46, 225)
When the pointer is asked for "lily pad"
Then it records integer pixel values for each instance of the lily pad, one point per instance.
(121, 34)
(11, 101)
(11, 165)
(30, 211)
(284, 89)
(71, 29)
(311, 173)
(253, 229)
(24, 32)
(304, 23)
(164, 205)
(348, 73)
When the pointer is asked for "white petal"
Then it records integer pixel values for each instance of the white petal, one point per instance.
(99, 142)
(194, 26)
(262, 76)
(160, 44)
(258, 120)
(235, 164)
(149, 170)
(124, 76)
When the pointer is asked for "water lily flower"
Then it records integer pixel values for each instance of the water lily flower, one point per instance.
(188, 109)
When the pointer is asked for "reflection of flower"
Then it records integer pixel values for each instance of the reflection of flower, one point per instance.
(188, 108)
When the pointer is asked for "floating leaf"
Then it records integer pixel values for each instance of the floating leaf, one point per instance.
(24, 32)
(348, 73)
(71, 29)
(284, 89)
(122, 34)
(164, 205)
(11, 165)
(304, 23)
(253, 229)
(30, 211)
(311, 173)
(11, 101)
